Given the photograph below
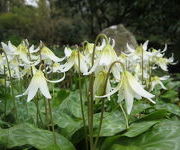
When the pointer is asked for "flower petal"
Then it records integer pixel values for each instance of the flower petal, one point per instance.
(44, 89)
(145, 45)
(32, 90)
(129, 48)
(128, 100)
(68, 65)
(56, 81)
(109, 94)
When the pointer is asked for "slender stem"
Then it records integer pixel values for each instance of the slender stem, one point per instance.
(46, 112)
(103, 100)
(37, 116)
(150, 75)
(96, 42)
(142, 67)
(38, 113)
(91, 94)
(52, 123)
(91, 111)
(81, 101)
(12, 88)
(5, 104)
(125, 116)
(101, 121)
(45, 103)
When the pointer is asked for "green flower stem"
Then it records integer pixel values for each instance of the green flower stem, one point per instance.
(103, 36)
(5, 90)
(91, 94)
(52, 123)
(46, 113)
(91, 111)
(38, 114)
(103, 100)
(45, 103)
(12, 87)
(150, 75)
(142, 66)
(82, 109)
(125, 115)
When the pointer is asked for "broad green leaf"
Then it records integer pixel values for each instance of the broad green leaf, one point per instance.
(68, 124)
(159, 114)
(172, 108)
(59, 96)
(113, 123)
(163, 136)
(134, 130)
(72, 105)
(26, 134)
(139, 107)
(170, 94)
(68, 115)
(139, 128)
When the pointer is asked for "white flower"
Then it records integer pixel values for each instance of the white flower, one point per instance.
(72, 60)
(137, 53)
(104, 59)
(164, 62)
(33, 50)
(38, 82)
(157, 80)
(99, 84)
(128, 89)
(9, 48)
(47, 54)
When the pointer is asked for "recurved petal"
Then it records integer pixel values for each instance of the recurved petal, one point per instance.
(20, 95)
(109, 94)
(162, 85)
(136, 87)
(93, 68)
(129, 48)
(67, 52)
(44, 89)
(164, 77)
(55, 58)
(68, 65)
(145, 45)
(128, 100)
(32, 90)
(165, 48)
(56, 81)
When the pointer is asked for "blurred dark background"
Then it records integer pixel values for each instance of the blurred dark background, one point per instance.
(62, 22)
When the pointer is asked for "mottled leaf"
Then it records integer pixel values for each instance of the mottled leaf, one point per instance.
(26, 134)
(163, 136)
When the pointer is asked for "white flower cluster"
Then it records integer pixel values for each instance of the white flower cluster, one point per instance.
(132, 70)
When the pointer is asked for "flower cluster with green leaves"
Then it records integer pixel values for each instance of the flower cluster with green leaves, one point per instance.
(132, 70)
(130, 76)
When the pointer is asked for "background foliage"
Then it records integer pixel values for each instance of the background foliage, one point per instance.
(72, 21)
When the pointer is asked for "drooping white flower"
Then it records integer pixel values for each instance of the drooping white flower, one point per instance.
(164, 62)
(157, 81)
(100, 84)
(33, 50)
(22, 52)
(38, 82)
(9, 48)
(47, 54)
(128, 89)
(104, 59)
(140, 51)
(72, 60)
